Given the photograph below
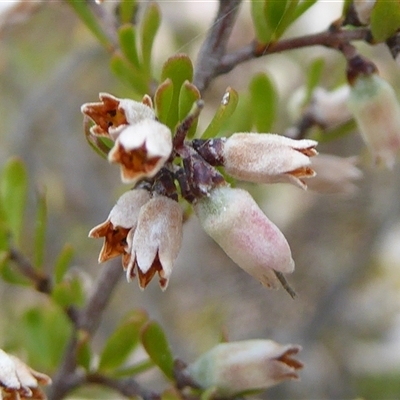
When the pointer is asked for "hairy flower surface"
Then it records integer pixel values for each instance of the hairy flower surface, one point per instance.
(335, 174)
(376, 110)
(236, 367)
(18, 381)
(121, 220)
(156, 241)
(141, 150)
(112, 114)
(268, 158)
(234, 220)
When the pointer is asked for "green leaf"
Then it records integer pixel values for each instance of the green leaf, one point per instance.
(171, 394)
(242, 118)
(178, 68)
(385, 19)
(127, 10)
(123, 341)
(63, 262)
(84, 352)
(273, 13)
(135, 369)
(45, 331)
(156, 345)
(302, 7)
(263, 102)
(150, 23)
(13, 189)
(68, 292)
(10, 274)
(127, 42)
(225, 110)
(189, 94)
(313, 77)
(163, 99)
(85, 14)
(128, 74)
(40, 231)
(260, 24)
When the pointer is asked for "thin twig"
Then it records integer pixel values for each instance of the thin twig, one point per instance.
(127, 387)
(214, 46)
(331, 39)
(91, 315)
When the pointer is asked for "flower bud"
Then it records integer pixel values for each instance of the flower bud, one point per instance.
(156, 241)
(141, 150)
(112, 114)
(236, 367)
(376, 110)
(18, 381)
(268, 158)
(334, 174)
(234, 220)
(121, 220)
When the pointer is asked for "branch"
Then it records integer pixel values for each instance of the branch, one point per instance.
(214, 46)
(127, 387)
(91, 315)
(331, 39)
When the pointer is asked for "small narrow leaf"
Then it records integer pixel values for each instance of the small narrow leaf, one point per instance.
(189, 94)
(40, 230)
(68, 292)
(263, 102)
(302, 8)
(242, 118)
(313, 77)
(135, 369)
(225, 110)
(62, 263)
(85, 14)
(346, 5)
(163, 99)
(263, 32)
(84, 352)
(178, 68)
(123, 341)
(273, 13)
(156, 345)
(385, 19)
(127, 10)
(150, 24)
(13, 189)
(127, 42)
(129, 74)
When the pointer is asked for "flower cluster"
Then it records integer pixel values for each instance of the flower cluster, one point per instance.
(18, 381)
(145, 225)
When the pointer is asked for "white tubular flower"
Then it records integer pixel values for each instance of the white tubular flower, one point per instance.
(330, 108)
(268, 158)
(156, 241)
(376, 110)
(121, 220)
(235, 367)
(112, 114)
(18, 381)
(335, 175)
(363, 9)
(141, 150)
(234, 220)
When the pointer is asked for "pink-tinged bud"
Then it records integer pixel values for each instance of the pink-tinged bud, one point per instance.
(234, 220)
(112, 114)
(236, 367)
(268, 158)
(18, 380)
(335, 175)
(121, 220)
(156, 241)
(376, 110)
(141, 150)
